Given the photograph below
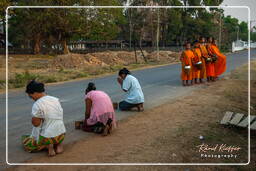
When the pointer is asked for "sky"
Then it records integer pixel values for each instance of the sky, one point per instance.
(241, 13)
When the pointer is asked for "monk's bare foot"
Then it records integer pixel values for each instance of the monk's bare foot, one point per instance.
(51, 151)
(59, 149)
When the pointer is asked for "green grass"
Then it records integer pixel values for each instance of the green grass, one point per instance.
(21, 79)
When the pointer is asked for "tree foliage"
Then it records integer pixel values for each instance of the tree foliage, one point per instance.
(39, 28)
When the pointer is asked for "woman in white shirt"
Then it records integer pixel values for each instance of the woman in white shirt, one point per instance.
(47, 120)
(134, 95)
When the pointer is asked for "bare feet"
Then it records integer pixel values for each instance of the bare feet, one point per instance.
(105, 131)
(59, 149)
(140, 107)
(51, 151)
(110, 128)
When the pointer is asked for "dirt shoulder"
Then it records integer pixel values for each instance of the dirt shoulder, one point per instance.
(170, 133)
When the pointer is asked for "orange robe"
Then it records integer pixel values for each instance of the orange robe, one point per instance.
(197, 58)
(210, 66)
(186, 60)
(220, 64)
(204, 53)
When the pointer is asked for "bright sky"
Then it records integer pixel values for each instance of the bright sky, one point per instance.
(240, 13)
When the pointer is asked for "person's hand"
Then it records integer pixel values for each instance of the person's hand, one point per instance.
(119, 80)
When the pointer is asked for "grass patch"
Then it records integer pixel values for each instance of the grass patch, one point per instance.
(21, 79)
(2, 84)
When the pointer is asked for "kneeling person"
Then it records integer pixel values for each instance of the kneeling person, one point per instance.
(130, 85)
(99, 114)
(47, 120)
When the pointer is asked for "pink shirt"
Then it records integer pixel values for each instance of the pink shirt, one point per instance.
(102, 108)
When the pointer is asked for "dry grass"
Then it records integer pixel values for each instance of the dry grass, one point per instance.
(48, 69)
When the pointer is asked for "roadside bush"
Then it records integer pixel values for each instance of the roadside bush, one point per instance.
(2, 84)
(21, 79)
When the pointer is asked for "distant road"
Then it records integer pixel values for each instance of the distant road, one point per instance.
(159, 85)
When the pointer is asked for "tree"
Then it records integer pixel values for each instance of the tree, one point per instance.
(3, 5)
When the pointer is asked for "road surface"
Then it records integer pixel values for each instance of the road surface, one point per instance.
(159, 85)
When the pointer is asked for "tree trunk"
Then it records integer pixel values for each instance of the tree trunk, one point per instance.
(37, 44)
(130, 28)
(4, 31)
(157, 35)
(64, 46)
(144, 57)
(134, 46)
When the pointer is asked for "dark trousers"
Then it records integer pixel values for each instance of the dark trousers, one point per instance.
(96, 128)
(124, 105)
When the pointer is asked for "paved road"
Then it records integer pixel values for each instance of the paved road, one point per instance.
(159, 84)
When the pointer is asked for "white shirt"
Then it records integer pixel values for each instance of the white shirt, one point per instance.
(48, 108)
(134, 92)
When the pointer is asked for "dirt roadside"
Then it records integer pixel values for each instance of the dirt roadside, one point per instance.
(170, 133)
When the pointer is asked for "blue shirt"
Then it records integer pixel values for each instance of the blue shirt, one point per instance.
(134, 92)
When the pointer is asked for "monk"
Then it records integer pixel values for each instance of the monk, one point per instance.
(210, 62)
(205, 55)
(197, 63)
(220, 64)
(187, 67)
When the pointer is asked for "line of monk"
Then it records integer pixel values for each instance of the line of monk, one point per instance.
(202, 62)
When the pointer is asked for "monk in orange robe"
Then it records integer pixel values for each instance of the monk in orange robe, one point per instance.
(187, 67)
(220, 64)
(197, 63)
(205, 55)
(210, 63)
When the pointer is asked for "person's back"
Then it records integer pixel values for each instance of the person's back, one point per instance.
(101, 102)
(49, 108)
(47, 120)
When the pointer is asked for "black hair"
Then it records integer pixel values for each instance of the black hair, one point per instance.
(34, 86)
(187, 42)
(91, 86)
(201, 37)
(208, 38)
(124, 71)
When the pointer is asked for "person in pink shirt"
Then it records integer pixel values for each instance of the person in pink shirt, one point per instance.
(99, 113)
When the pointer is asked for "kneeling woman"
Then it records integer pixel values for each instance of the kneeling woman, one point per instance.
(130, 85)
(99, 114)
(47, 120)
